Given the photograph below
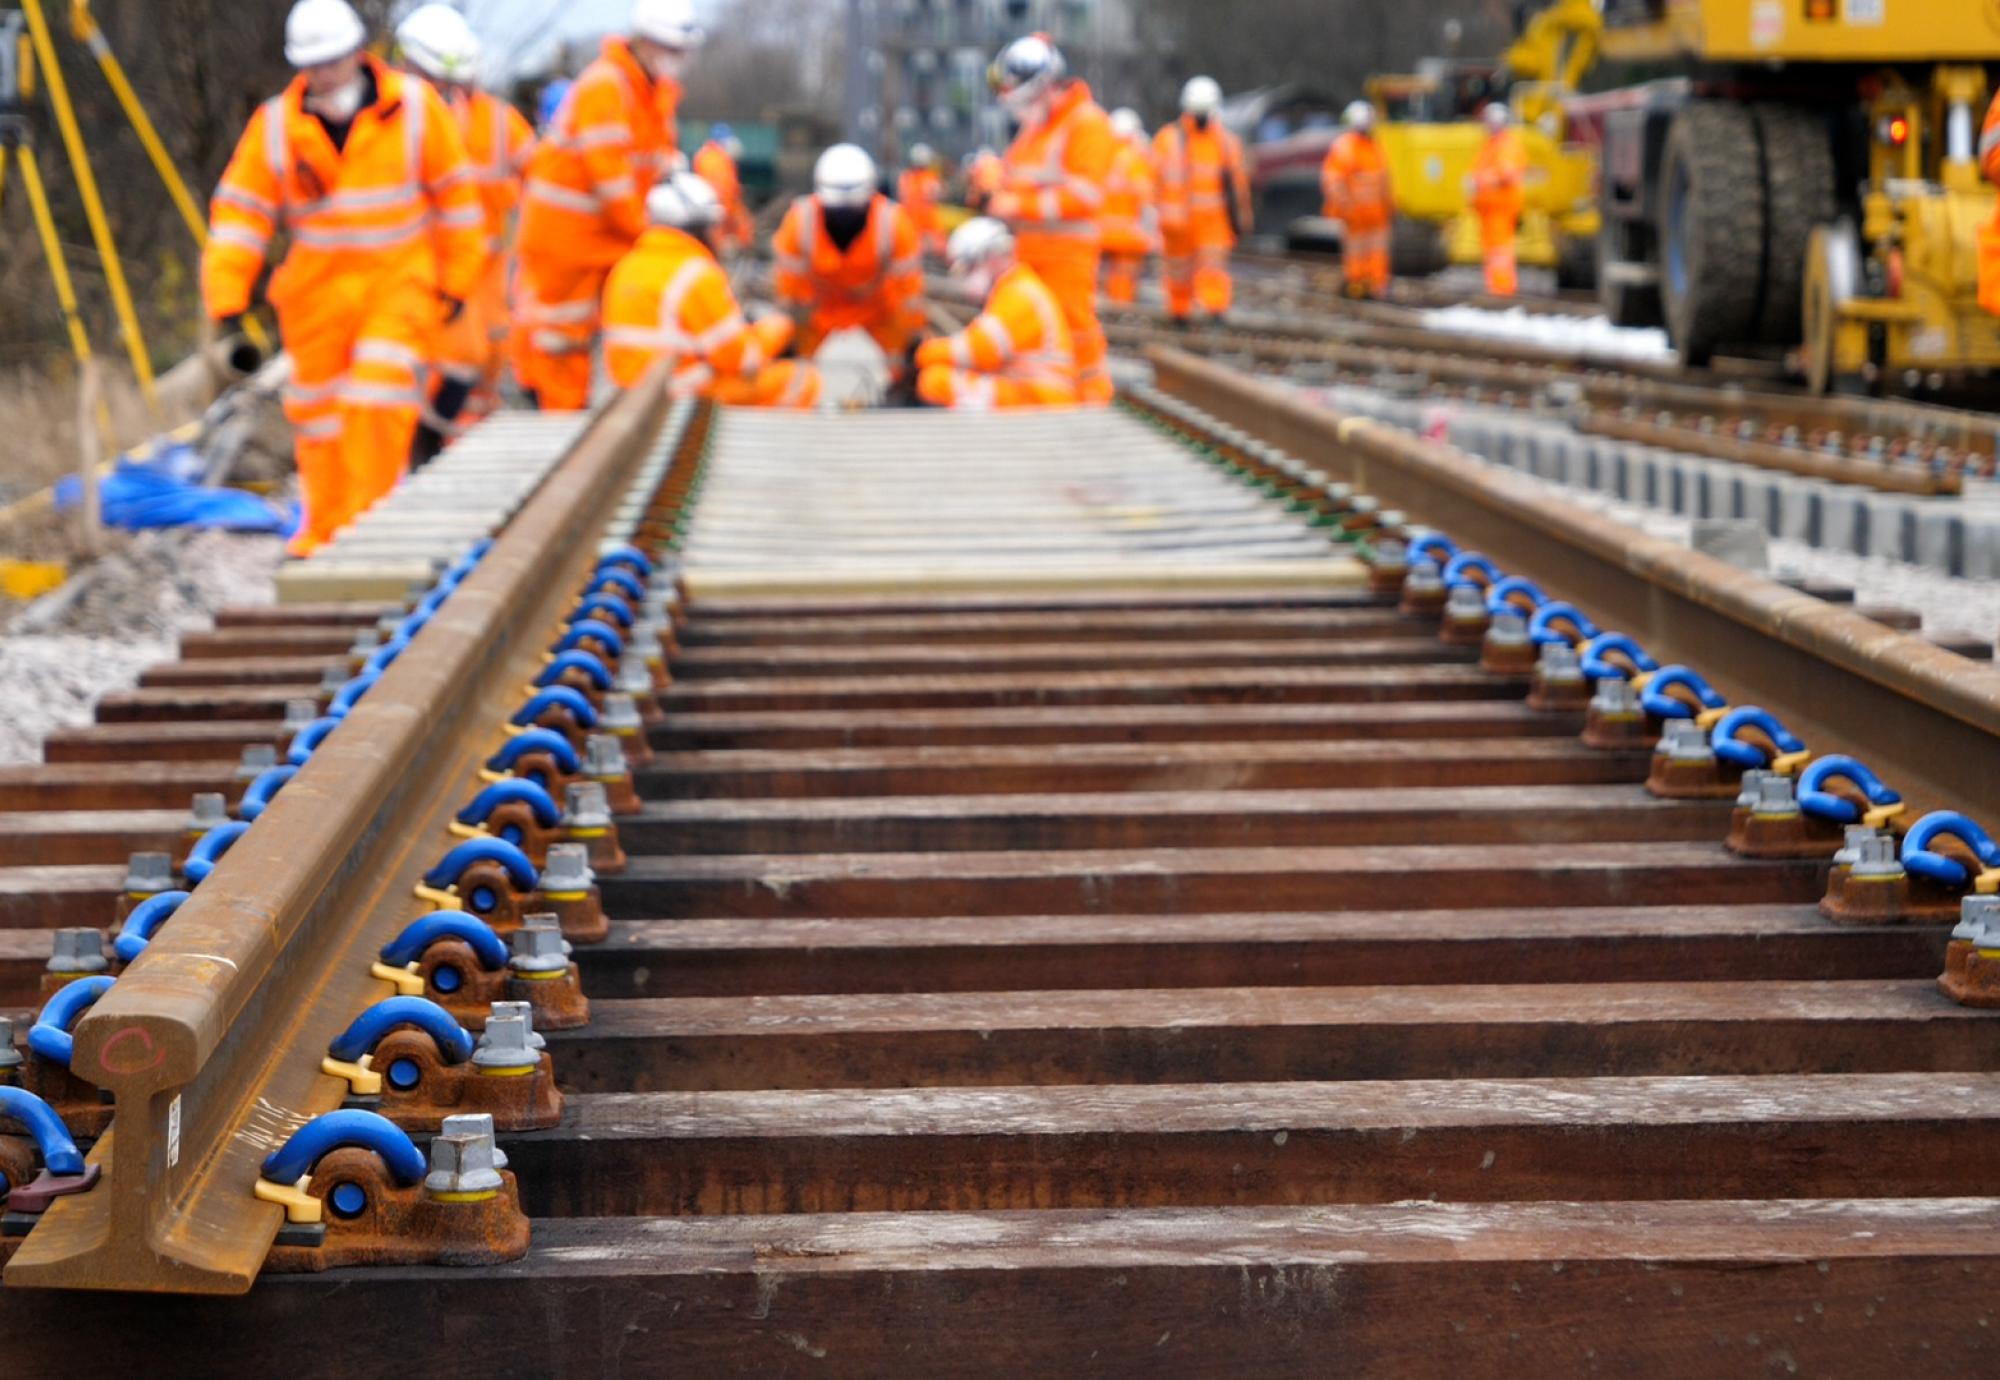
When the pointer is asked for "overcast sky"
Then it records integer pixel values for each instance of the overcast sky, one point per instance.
(505, 25)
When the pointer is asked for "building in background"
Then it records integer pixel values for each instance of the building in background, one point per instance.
(916, 69)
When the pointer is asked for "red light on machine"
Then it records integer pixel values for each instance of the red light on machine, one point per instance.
(1894, 273)
(1896, 131)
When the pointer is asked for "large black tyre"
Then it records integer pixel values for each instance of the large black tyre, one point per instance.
(1712, 230)
(1625, 303)
(1799, 197)
(1416, 248)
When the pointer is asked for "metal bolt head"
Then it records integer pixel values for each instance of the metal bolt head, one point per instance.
(538, 950)
(586, 806)
(209, 811)
(568, 868)
(1877, 857)
(10, 1057)
(1465, 603)
(1850, 849)
(503, 1044)
(332, 678)
(526, 1011)
(1558, 663)
(1978, 917)
(78, 951)
(633, 677)
(1424, 577)
(550, 921)
(603, 758)
(474, 1124)
(365, 641)
(299, 713)
(148, 874)
(620, 712)
(1615, 696)
(463, 1162)
(1508, 629)
(1746, 795)
(1775, 797)
(1685, 741)
(258, 758)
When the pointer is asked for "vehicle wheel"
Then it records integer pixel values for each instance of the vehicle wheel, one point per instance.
(1625, 303)
(1416, 248)
(1576, 264)
(1831, 269)
(1799, 199)
(1712, 230)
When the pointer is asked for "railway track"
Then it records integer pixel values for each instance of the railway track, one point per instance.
(1080, 900)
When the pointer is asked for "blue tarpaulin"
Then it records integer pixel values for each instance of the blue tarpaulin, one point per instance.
(165, 490)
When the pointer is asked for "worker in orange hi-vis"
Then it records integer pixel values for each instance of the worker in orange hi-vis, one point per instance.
(584, 204)
(1989, 232)
(1204, 197)
(1499, 193)
(718, 162)
(918, 190)
(983, 176)
(1131, 225)
(1016, 352)
(435, 42)
(669, 299)
(1053, 192)
(1355, 181)
(848, 258)
(363, 168)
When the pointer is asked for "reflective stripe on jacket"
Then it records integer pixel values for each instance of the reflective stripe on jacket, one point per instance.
(500, 142)
(1129, 218)
(1200, 175)
(1355, 180)
(398, 198)
(1019, 335)
(670, 298)
(880, 274)
(1054, 174)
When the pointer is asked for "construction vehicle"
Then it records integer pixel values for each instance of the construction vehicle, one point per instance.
(1800, 173)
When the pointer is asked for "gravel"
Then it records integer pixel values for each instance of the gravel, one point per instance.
(117, 616)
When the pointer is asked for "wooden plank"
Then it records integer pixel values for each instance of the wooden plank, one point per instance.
(783, 579)
(216, 672)
(1135, 766)
(115, 785)
(997, 629)
(189, 741)
(54, 898)
(67, 838)
(671, 1154)
(1410, 647)
(179, 703)
(1272, 1034)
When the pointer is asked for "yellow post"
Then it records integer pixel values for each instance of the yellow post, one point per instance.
(93, 205)
(45, 226)
(84, 25)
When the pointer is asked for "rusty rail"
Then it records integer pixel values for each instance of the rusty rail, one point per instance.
(1854, 682)
(211, 1042)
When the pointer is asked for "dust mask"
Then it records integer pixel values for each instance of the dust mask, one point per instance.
(340, 105)
(980, 278)
(667, 65)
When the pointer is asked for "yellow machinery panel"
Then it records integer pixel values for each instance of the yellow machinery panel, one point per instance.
(1859, 31)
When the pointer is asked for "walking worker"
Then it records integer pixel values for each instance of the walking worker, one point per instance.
(718, 162)
(1355, 181)
(1499, 194)
(1052, 193)
(364, 169)
(1017, 352)
(436, 43)
(918, 190)
(1131, 224)
(670, 299)
(585, 202)
(848, 258)
(983, 176)
(1204, 196)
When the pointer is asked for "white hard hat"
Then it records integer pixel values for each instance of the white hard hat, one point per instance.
(1201, 96)
(1025, 72)
(318, 31)
(1126, 124)
(683, 201)
(922, 156)
(437, 41)
(1497, 116)
(677, 163)
(978, 240)
(669, 23)
(844, 176)
(1359, 115)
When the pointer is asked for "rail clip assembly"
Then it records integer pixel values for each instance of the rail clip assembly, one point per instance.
(410, 1060)
(494, 880)
(1943, 859)
(357, 1191)
(39, 1160)
(1776, 817)
(83, 1107)
(1971, 974)
(457, 961)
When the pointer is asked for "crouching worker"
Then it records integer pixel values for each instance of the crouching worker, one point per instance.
(1017, 353)
(669, 299)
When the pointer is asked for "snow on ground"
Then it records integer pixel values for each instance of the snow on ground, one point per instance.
(1587, 334)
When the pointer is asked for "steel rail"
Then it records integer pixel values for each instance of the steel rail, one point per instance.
(1851, 682)
(211, 1042)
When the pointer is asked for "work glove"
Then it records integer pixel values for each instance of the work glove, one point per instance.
(454, 307)
(227, 326)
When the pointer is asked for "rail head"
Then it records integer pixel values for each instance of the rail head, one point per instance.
(1864, 687)
(211, 1041)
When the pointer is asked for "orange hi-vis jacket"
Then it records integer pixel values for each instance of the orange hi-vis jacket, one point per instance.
(670, 299)
(713, 165)
(397, 203)
(1128, 219)
(1200, 176)
(1016, 352)
(500, 142)
(1989, 233)
(982, 179)
(1052, 190)
(1499, 176)
(612, 138)
(877, 280)
(1355, 181)
(917, 190)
